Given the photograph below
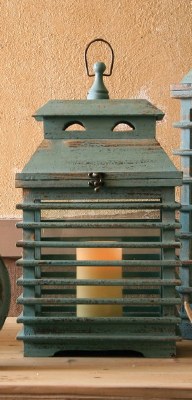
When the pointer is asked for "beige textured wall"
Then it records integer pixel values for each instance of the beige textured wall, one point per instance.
(42, 57)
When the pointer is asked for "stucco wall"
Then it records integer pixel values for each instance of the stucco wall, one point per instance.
(42, 57)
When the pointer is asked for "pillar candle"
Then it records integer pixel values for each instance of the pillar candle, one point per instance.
(99, 272)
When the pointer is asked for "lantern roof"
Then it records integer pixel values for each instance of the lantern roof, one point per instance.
(129, 158)
(187, 78)
(183, 90)
(124, 108)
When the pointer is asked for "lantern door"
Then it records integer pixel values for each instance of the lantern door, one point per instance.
(99, 271)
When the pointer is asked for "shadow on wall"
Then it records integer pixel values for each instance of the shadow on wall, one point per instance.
(14, 273)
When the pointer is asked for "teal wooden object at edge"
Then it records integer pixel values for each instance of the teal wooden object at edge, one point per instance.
(183, 91)
(124, 185)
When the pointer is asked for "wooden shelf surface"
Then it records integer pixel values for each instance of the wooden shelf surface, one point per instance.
(91, 378)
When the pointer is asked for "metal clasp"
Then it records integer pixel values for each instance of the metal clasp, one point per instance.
(96, 181)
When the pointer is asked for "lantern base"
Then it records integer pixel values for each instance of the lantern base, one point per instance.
(148, 349)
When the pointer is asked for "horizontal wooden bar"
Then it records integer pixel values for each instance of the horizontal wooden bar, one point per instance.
(55, 132)
(180, 86)
(98, 224)
(76, 109)
(182, 94)
(53, 337)
(184, 289)
(82, 184)
(186, 208)
(100, 282)
(78, 320)
(97, 244)
(98, 205)
(110, 176)
(74, 301)
(184, 235)
(183, 124)
(187, 180)
(124, 175)
(69, 263)
(183, 152)
(107, 193)
(186, 263)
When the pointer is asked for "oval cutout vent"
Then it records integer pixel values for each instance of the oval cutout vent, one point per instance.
(123, 126)
(74, 126)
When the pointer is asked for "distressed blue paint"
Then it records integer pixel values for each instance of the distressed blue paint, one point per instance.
(184, 92)
(138, 193)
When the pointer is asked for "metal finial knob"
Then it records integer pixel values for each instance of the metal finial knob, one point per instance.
(99, 67)
(98, 89)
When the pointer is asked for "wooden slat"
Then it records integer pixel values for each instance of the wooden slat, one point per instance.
(183, 152)
(183, 124)
(82, 178)
(126, 320)
(130, 182)
(186, 208)
(126, 107)
(98, 205)
(182, 94)
(187, 180)
(184, 235)
(123, 301)
(64, 338)
(96, 282)
(184, 289)
(97, 224)
(69, 263)
(90, 244)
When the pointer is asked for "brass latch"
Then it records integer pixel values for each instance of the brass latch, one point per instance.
(96, 181)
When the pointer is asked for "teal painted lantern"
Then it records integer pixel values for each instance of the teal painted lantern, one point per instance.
(183, 91)
(99, 249)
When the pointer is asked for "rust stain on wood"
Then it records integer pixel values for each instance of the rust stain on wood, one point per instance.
(113, 143)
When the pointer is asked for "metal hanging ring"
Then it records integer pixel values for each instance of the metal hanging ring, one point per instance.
(112, 56)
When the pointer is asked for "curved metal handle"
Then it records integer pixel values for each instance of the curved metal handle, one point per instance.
(112, 56)
(5, 292)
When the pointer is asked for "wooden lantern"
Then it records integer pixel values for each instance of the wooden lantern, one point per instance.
(99, 263)
(183, 91)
